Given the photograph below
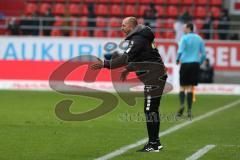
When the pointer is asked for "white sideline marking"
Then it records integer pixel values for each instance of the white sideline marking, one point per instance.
(201, 152)
(166, 132)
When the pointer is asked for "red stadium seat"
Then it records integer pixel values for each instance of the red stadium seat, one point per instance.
(168, 23)
(200, 12)
(116, 1)
(115, 10)
(159, 1)
(75, 1)
(187, 2)
(169, 35)
(58, 21)
(30, 8)
(46, 1)
(202, 2)
(83, 33)
(90, 1)
(99, 33)
(83, 10)
(114, 22)
(44, 8)
(101, 9)
(103, 1)
(145, 1)
(74, 9)
(129, 1)
(161, 11)
(216, 2)
(59, 9)
(199, 23)
(172, 11)
(174, 2)
(159, 23)
(113, 33)
(216, 12)
(83, 22)
(129, 10)
(158, 35)
(101, 22)
(60, 1)
(142, 9)
(56, 32)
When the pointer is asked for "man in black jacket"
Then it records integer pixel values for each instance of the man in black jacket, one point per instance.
(142, 57)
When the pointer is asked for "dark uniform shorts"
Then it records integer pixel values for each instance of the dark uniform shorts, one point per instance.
(189, 73)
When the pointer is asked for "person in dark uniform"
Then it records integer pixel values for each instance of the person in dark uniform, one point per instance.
(191, 53)
(141, 49)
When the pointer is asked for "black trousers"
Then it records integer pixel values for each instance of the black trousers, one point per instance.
(152, 98)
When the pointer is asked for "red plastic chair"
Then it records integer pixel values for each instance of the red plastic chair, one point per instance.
(129, 1)
(44, 8)
(161, 11)
(130, 10)
(30, 8)
(83, 33)
(172, 11)
(90, 1)
(99, 33)
(113, 33)
(142, 9)
(74, 9)
(114, 22)
(187, 2)
(116, 1)
(101, 9)
(101, 22)
(169, 35)
(60, 1)
(200, 12)
(216, 2)
(56, 32)
(59, 9)
(202, 2)
(199, 23)
(159, 23)
(75, 1)
(159, 1)
(216, 12)
(83, 22)
(169, 23)
(115, 10)
(83, 10)
(58, 21)
(158, 35)
(103, 1)
(174, 2)
(145, 1)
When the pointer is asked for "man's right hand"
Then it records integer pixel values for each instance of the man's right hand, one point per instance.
(98, 65)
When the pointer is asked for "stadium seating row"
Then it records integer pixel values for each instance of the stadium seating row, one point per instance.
(118, 10)
(171, 2)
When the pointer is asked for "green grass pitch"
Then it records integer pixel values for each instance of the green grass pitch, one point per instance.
(30, 130)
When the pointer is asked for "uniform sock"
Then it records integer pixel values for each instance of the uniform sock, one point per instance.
(153, 124)
(189, 100)
(182, 98)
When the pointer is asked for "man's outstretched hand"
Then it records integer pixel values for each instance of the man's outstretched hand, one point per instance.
(98, 65)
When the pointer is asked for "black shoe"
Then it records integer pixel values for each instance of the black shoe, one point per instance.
(190, 114)
(180, 111)
(151, 147)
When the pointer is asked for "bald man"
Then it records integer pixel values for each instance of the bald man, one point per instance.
(141, 48)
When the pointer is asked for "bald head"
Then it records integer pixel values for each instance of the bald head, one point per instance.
(128, 24)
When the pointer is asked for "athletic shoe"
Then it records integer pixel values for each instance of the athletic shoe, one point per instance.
(151, 147)
(180, 111)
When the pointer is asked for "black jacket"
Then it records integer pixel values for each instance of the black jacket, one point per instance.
(140, 49)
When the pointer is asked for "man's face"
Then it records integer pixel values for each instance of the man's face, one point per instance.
(185, 29)
(126, 27)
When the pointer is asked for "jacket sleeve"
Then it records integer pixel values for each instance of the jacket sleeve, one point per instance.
(135, 46)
